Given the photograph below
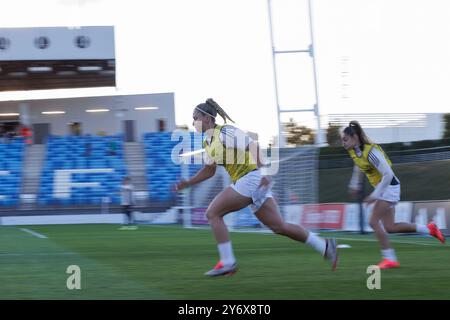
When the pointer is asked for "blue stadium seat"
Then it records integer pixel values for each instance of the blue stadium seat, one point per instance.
(161, 171)
(70, 153)
(11, 161)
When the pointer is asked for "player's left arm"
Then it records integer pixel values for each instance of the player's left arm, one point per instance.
(377, 159)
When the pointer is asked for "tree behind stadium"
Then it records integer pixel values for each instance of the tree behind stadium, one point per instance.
(297, 135)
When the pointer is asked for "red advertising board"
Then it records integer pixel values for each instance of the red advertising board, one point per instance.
(323, 216)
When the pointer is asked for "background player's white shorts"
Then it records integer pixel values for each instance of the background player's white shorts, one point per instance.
(392, 194)
(248, 187)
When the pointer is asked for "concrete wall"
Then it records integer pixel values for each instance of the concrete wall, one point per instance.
(121, 108)
(395, 127)
(432, 129)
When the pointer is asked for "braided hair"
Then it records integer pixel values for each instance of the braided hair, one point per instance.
(212, 108)
(355, 128)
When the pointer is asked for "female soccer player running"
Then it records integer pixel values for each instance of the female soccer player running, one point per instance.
(230, 147)
(371, 159)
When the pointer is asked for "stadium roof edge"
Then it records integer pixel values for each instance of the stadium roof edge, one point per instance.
(20, 96)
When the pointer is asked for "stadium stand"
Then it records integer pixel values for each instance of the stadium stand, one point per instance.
(96, 167)
(162, 173)
(10, 171)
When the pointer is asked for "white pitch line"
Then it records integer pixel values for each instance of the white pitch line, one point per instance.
(36, 234)
(420, 243)
(394, 241)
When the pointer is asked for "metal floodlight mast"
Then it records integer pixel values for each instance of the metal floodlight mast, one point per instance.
(311, 53)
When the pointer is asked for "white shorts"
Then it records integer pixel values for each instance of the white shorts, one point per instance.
(392, 194)
(248, 187)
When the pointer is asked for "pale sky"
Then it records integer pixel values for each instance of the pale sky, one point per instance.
(371, 55)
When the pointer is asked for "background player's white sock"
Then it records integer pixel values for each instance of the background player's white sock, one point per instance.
(226, 253)
(389, 254)
(317, 243)
(420, 228)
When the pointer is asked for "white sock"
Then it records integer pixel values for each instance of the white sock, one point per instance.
(317, 243)
(389, 254)
(420, 228)
(226, 253)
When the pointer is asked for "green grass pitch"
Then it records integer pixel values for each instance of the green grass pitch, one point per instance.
(168, 262)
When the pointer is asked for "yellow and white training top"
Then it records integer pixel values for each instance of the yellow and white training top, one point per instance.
(228, 146)
(371, 160)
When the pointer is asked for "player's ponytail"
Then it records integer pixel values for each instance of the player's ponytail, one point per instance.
(219, 110)
(212, 108)
(355, 128)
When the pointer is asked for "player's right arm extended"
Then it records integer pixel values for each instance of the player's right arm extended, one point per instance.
(204, 173)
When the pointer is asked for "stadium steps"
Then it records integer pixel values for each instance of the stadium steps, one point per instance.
(135, 161)
(32, 167)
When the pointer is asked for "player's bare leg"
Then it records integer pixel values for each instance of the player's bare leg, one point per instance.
(225, 202)
(269, 215)
(381, 210)
(391, 226)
